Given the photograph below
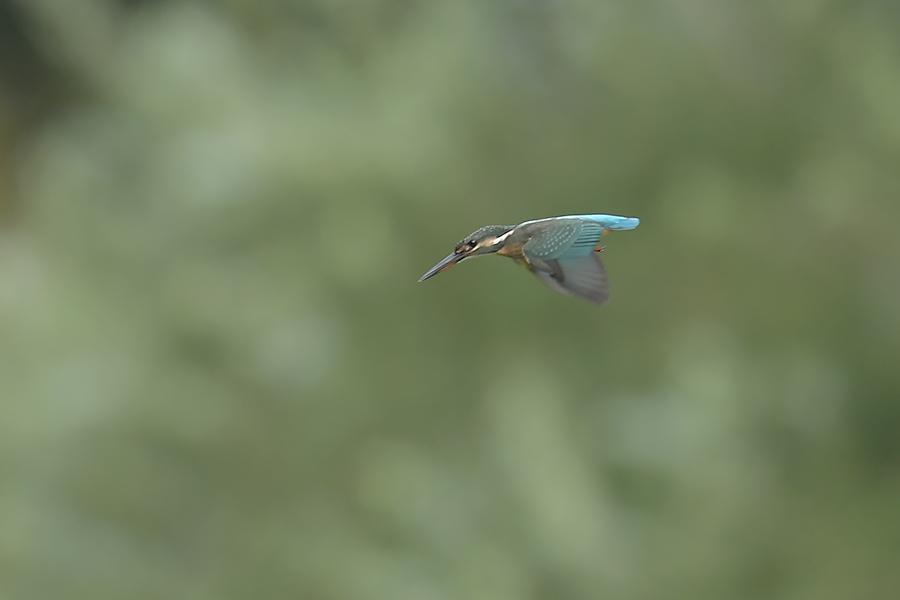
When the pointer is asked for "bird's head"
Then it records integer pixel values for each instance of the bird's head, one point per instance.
(486, 240)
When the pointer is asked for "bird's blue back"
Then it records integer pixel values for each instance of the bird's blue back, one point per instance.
(613, 222)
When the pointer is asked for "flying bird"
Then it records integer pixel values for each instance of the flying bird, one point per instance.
(561, 251)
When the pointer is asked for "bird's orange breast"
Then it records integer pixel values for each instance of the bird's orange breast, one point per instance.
(512, 250)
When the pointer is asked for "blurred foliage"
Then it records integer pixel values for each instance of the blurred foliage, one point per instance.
(220, 379)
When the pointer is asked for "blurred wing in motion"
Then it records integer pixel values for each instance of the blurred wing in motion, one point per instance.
(584, 277)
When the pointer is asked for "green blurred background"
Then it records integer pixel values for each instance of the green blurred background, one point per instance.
(219, 377)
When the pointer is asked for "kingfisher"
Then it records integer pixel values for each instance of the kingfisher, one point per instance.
(561, 251)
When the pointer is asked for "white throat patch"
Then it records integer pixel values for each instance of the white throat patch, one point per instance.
(497, 240)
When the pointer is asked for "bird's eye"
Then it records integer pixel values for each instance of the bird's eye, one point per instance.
(471, 244)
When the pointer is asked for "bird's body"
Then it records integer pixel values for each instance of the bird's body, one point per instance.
(559, 250)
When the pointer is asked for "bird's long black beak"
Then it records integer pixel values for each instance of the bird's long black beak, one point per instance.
(448, 262)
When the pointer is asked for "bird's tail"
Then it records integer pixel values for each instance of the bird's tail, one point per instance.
(622, 223)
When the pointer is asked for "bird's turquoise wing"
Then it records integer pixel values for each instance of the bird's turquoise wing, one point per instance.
(563, 238)
(561, 253)
(584, 276)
